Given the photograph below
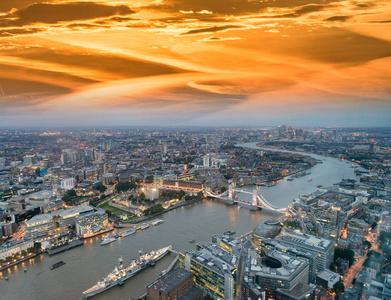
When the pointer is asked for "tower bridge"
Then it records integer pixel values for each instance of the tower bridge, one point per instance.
(258, 201)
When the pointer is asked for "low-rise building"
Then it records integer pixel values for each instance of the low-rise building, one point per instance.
(173, 285)
(9, 249)
(213, 269)
(39, 226)
(91, 223)
(327, 279)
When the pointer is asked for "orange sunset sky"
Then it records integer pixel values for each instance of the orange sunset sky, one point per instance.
(195, 62)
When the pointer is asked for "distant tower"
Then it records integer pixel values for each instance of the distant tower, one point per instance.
(230, 193)
(206, 161)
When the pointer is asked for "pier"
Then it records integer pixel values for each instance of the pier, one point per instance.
(65, 247)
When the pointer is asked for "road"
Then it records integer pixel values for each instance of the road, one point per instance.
(353, 271)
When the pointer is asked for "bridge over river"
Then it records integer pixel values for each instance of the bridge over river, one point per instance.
(258, 201)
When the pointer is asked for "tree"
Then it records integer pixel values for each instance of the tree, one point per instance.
(23, 252)
(142, 196)
(149, 179)
(181, 194)
(125, 186)
(101, 188)
(223, 189)
(373, 225)
(153, 210)
(37, 246)
(339, 288)
(344, 253)
(68, 196)
(367, 245)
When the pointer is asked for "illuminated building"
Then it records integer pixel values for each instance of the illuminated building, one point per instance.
(266, 229)
(311, 257)
(324, 249)
(91, 223)
(274, 271)
(213, 268)
(15, 246)
(39, 226)
(68, 217)
(228, 243)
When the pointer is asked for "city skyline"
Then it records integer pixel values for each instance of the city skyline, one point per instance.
(194, 63)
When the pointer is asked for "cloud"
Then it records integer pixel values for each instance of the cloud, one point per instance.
(381, 22)
(7, 5)
(93, 62)
(212, 29)
(338, 18)
(55, 13)
(219, 39)
(19, 31)
(233, 7)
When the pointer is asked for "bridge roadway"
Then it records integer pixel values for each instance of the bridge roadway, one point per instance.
(262, 203)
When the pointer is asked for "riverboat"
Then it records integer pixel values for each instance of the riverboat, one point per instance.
(126, 232)
(107, 240)
(121, 273)
(57, 265)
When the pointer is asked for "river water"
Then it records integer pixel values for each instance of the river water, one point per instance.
(88, 264)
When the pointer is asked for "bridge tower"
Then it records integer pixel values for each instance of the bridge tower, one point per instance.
(230, 200)
(254, 204)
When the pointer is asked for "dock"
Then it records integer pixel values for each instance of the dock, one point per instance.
(173, 263)
(65, 247)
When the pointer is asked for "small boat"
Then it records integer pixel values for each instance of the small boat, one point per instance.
(57, 265)
(290, 179)
(192, 241)
(25, 270)
(127, 232)
(309, 178)
(107, 240)
(6, 278)
(157, 222)
(229, 232)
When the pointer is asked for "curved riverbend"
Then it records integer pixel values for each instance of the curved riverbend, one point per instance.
(331, 171)
(86, 265)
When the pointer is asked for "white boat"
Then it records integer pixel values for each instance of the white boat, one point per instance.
(127, 232)
(309, 178)
(121, 273)
(157, 222)
(145, 227)
(107, 240)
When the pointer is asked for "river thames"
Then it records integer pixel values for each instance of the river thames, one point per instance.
(88, 264)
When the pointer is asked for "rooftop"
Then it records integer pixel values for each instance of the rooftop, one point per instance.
(39, 219)
(190, 294)
(170, 280)
(328, 275)
(303, 239)
(65, 213)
